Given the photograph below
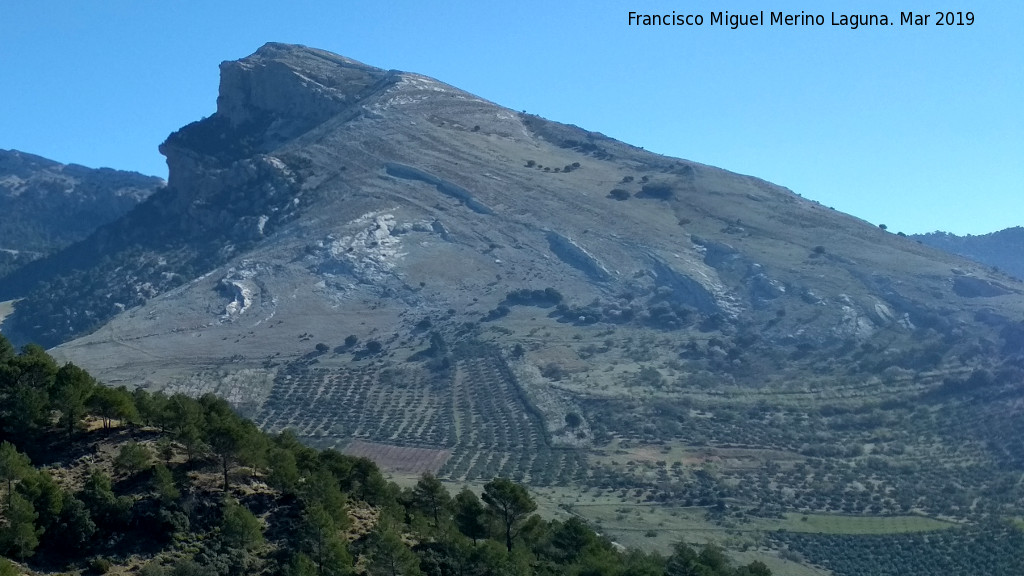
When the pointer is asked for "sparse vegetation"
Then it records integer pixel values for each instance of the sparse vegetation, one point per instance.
(324, 513)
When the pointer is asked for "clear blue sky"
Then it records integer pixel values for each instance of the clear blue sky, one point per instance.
(920, 128)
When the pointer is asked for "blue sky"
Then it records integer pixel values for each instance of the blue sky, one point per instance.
(920, 128)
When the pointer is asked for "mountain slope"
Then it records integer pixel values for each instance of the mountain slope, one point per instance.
(1002, 249)
(48, 205)
(384, 262)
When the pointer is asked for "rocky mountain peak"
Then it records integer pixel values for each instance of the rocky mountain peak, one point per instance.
(293, 83)
(378, 260)
(355, 190)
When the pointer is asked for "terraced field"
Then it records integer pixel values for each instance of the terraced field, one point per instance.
(479, 413)
(499, 433)
(334, 405)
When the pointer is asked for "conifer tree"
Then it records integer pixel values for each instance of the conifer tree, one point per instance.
(13, 467)
(509, 503)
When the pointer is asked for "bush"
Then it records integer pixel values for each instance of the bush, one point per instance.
(660, 191)
(546, 297)
(553, 372)
(619, 194)
(153, 568)
(7, 568)
(133, 458)
(499, 312)
(99, 566)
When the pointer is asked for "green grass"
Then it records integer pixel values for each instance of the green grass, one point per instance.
(777, 565)
(843, 524)
(658, 527)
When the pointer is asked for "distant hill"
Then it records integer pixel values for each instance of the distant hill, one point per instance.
(1003, 249)
(47, 205)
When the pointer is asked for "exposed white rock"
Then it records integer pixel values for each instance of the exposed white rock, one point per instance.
(370, 254)
(853, 323)
(241, 287)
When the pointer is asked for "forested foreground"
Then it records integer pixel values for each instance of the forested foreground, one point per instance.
(105, 480)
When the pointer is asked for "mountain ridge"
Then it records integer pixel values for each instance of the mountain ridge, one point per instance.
(399, 264)
(286, 161)
(48, 205)
(1001, 249)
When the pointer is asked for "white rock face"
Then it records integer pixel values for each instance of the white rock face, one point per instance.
(241, 286)
(270, 83)
(370, 254)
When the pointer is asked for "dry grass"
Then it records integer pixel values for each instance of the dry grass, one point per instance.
(400, 459)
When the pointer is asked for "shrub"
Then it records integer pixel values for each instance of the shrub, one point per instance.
(99, 566)
(499, 312)
(133, 458)
(619, 194)
(525, 297)
(660, 191)
(553, 372)
(7, 568)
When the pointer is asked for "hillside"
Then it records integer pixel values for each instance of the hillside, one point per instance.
(1002, 249)
(48, 206)
(98, 480)
(395, 268)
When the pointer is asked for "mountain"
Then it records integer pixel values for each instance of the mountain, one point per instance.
(391, 266)
(48, 206)
(1002, 249)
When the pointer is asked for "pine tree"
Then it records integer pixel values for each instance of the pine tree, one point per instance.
(509, 503)
(13, 467)
(469, 515)
(431, 497)
(20, 536)
(72, 389)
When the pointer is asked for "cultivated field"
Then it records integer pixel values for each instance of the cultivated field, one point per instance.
(476, 413)
(400, 459)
